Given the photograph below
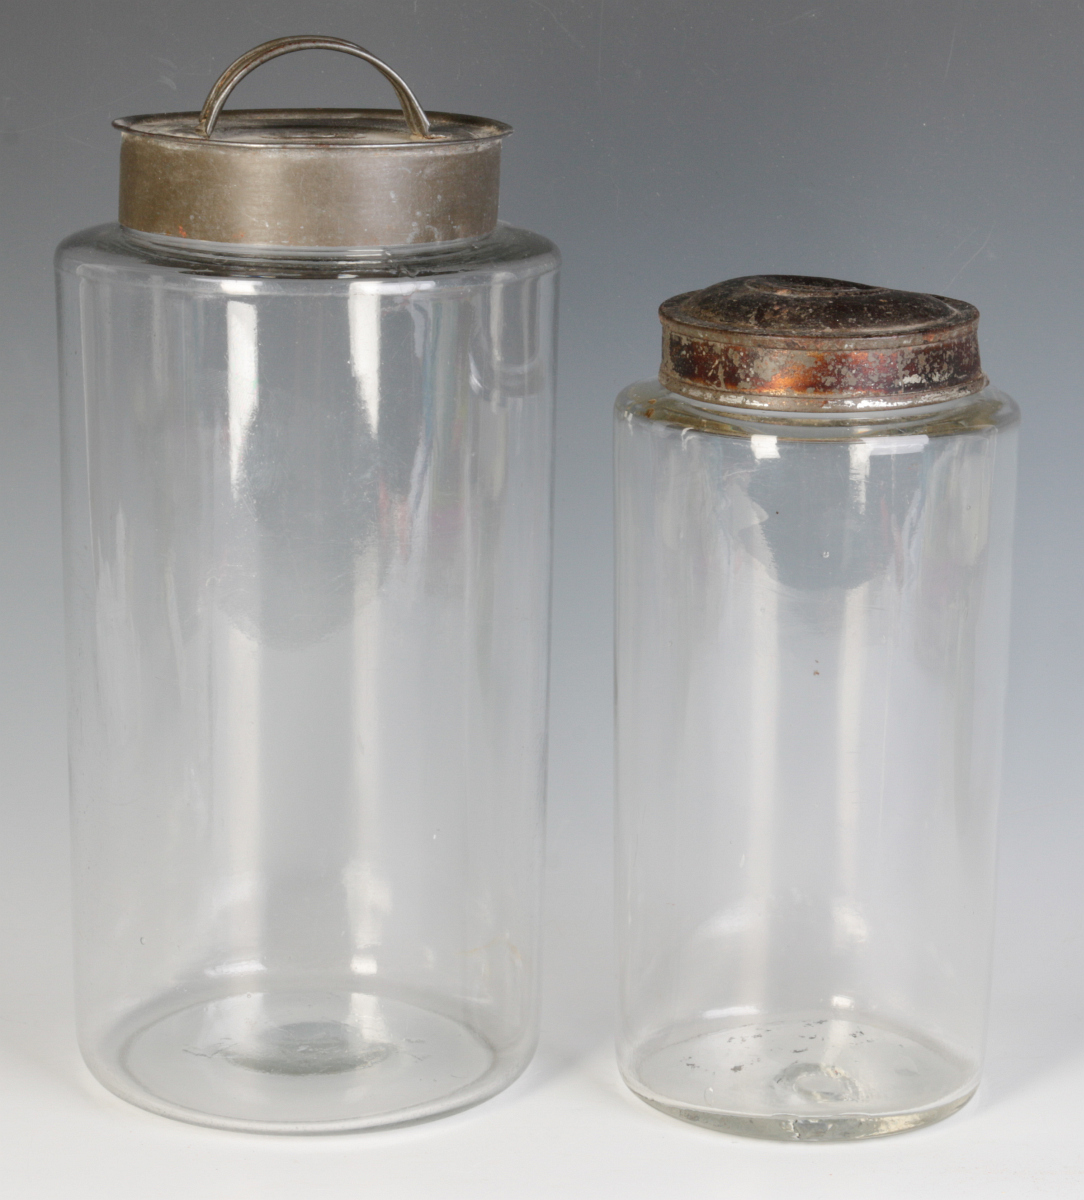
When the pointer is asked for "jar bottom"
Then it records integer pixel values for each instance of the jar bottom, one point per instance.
(804, 1077)
(301, 1061)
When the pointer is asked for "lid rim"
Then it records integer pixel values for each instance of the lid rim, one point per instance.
(819, 401)
(495, 130)
(809, 342)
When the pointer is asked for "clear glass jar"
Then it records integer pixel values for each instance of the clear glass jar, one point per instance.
(307, 539)
(811, 632)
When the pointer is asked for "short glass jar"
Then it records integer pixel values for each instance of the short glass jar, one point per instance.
(812, 611)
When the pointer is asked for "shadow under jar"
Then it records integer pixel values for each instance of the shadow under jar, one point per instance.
(307, 470)
(814, 518)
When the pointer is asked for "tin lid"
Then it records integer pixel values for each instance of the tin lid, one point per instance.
(801, 343)
(310, 177)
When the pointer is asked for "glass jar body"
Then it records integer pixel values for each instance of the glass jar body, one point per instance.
(307, 550)
(811, 650)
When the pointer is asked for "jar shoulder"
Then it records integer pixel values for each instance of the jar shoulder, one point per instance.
(112, 249)
(651, 404)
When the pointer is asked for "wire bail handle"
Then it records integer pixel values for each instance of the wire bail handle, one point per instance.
(417, 121)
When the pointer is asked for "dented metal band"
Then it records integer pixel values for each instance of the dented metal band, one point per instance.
(802, 344)
(320, 178)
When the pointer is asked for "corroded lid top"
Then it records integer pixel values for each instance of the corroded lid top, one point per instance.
(808, 344)
(310, 177)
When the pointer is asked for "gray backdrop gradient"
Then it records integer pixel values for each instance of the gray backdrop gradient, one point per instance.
(933, 145)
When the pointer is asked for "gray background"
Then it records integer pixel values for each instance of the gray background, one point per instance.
(664, 146)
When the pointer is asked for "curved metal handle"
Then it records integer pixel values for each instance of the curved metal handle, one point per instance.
(417, 121)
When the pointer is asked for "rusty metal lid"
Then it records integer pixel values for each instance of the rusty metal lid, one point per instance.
(806, 344)
(310, 177)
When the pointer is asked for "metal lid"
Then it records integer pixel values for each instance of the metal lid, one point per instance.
(310, 177)
(807, 344)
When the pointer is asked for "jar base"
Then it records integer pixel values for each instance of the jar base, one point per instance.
(301, 1062)
(802, 1078)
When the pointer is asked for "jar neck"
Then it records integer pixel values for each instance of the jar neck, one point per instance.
(969, 413)
(232, 259)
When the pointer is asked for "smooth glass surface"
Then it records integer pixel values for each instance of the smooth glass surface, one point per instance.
(811, 648)
(307, 539)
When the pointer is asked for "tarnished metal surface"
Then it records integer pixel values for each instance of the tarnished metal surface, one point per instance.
(809, 344)
(307, 178)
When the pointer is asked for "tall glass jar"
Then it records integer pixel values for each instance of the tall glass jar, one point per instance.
(814, 516)
(307, 440)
